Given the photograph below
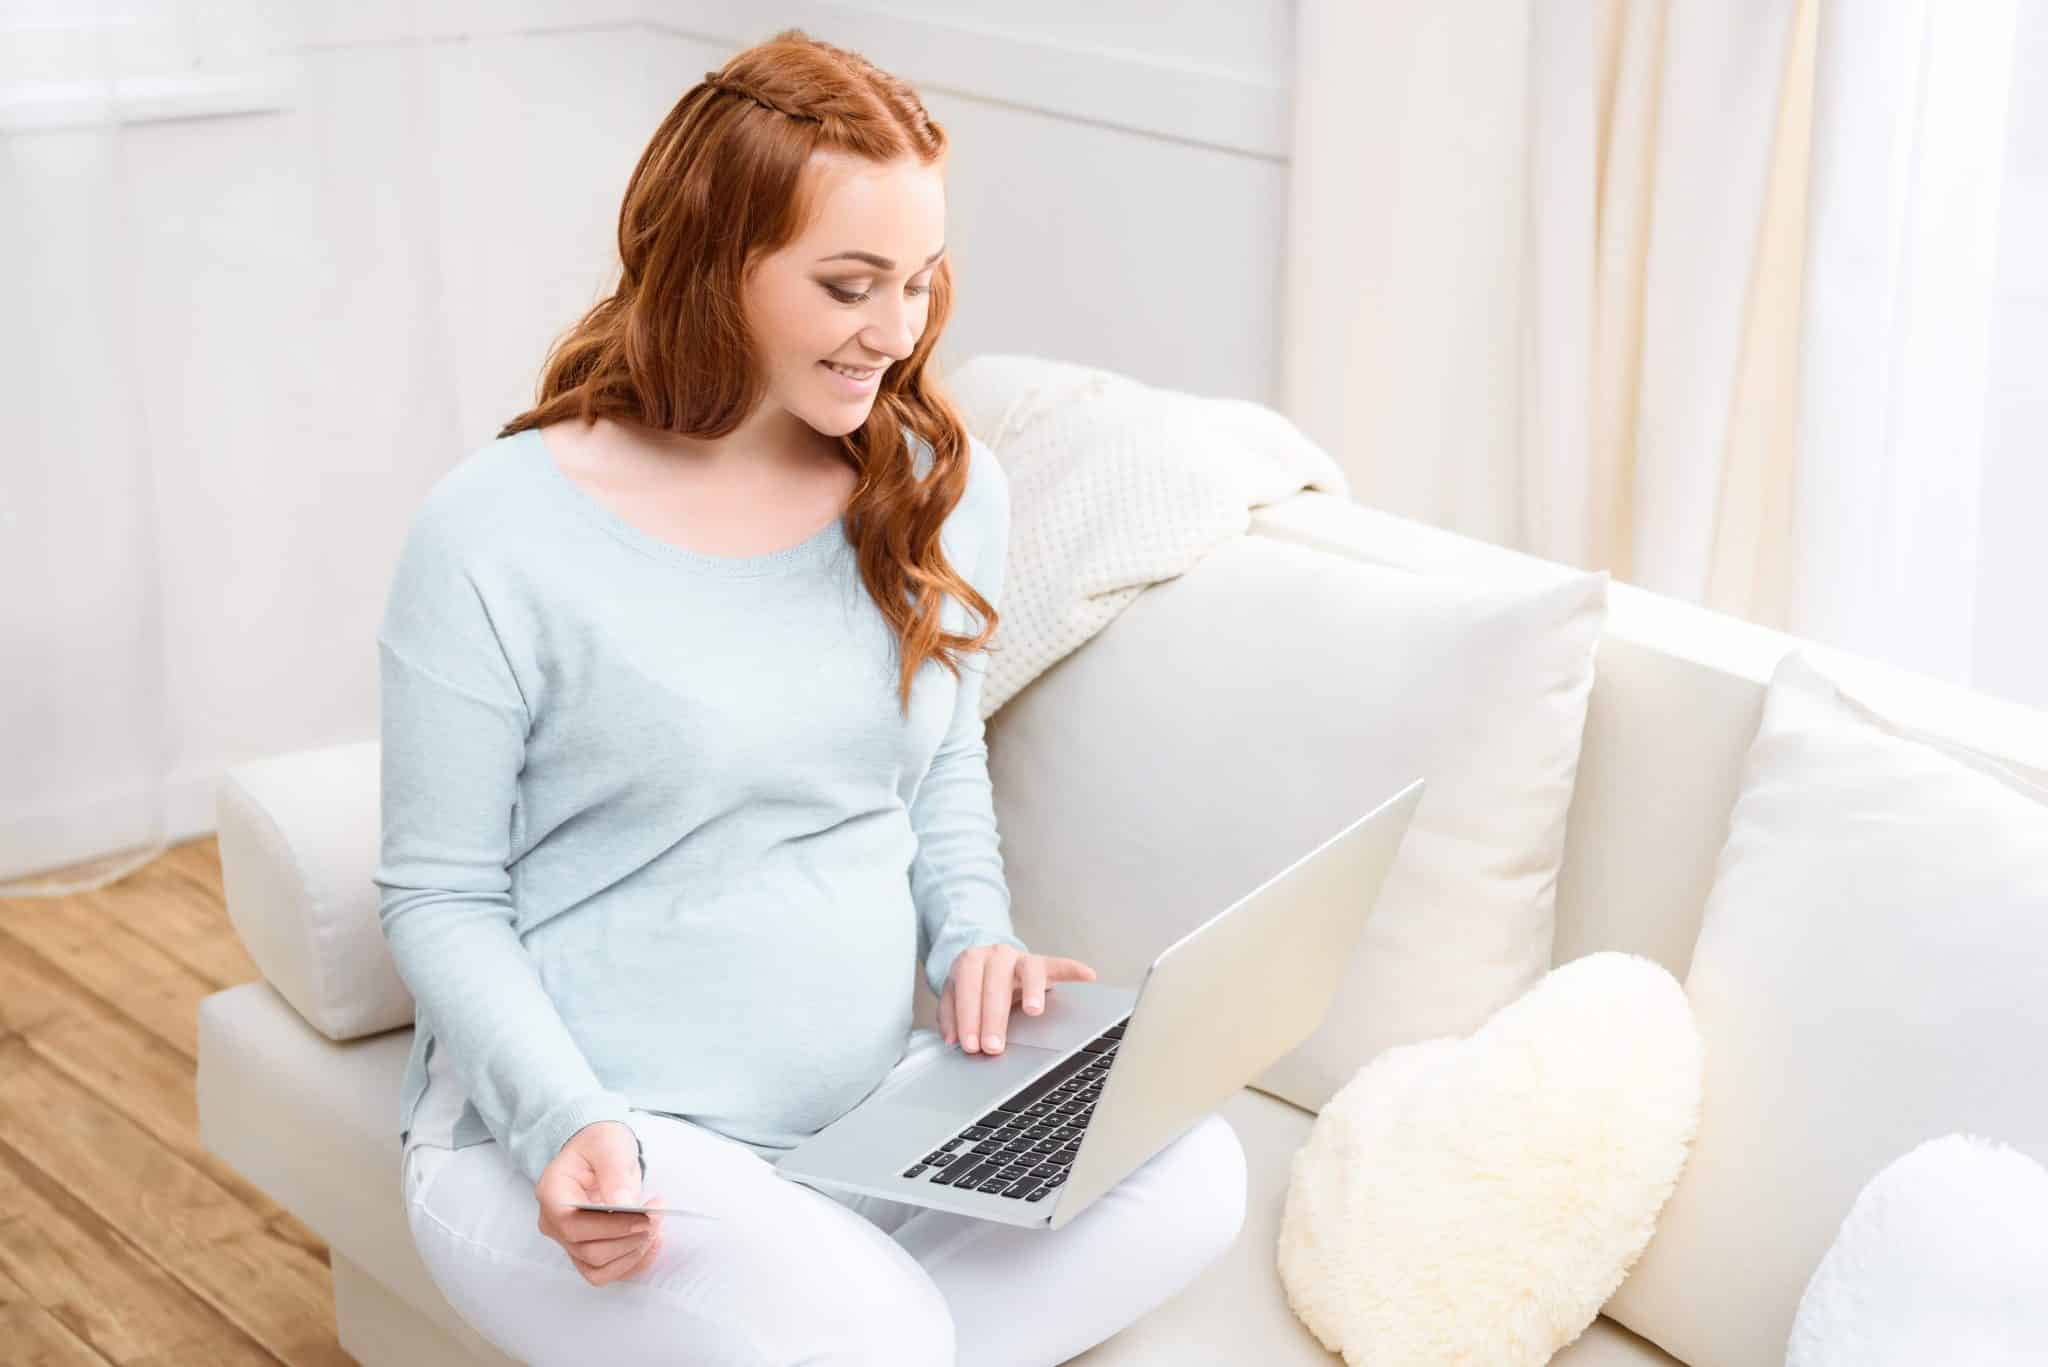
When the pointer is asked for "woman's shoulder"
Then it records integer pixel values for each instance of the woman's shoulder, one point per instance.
(988, 485)
(468, 504)
(986, 495)
(983, 467)
(977, 529)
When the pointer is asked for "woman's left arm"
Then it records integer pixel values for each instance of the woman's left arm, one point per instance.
(956, 878)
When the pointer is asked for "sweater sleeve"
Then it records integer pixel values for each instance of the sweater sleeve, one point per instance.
(956, 880)
(454, 726)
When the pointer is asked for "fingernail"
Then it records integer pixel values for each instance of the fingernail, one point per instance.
(1034, 1004)
(967, 1042)
(995, 1043)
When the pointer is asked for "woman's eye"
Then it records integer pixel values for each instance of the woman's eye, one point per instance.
(846, 297)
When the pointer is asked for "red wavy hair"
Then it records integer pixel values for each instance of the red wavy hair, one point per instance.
(720, 185)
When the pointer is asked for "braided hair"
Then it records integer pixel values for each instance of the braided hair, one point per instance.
(718, 82)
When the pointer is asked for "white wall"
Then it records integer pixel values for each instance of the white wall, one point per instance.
(322, 322)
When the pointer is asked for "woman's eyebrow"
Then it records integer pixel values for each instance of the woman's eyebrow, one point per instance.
(881, 262)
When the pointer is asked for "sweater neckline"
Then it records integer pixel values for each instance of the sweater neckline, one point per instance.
(813, 549)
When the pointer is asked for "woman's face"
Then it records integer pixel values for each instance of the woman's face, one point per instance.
(854, 290)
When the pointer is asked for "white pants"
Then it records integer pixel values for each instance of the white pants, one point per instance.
(781, 1274)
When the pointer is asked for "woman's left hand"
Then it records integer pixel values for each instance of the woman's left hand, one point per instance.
(986, 979)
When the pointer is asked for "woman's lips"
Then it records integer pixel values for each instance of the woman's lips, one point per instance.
(849, 385)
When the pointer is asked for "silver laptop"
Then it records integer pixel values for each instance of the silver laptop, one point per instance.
(1106, 1077)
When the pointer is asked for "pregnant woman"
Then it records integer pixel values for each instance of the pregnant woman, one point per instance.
(684, 780)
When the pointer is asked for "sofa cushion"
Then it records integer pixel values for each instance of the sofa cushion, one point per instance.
(1868, 976)
(298, 840)
(1235, 716)
(1677, 690)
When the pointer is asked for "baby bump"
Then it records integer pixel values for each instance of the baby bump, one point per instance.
(781, 989)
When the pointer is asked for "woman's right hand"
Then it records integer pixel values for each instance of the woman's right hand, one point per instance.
(599, 1164)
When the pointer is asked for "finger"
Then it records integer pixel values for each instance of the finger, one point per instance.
(946, 1031)
(1034, 984)
(626, 1264)
(599, 1253)
(644, 1261)
(563, 1222)
(966, 987)
(650, 1242)
(616, 1226)
(997, 985)
(583, 1226)
(1068, 970)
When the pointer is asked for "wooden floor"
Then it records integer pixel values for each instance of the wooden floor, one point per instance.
(121, 1240)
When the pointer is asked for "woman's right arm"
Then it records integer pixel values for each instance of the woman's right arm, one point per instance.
(454, 726)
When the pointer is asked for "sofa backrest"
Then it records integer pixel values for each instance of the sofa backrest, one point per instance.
(1676, 700)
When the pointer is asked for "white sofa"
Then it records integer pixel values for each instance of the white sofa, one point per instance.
(298, 1073)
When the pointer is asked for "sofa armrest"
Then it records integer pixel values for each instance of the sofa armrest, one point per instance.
(298, 846)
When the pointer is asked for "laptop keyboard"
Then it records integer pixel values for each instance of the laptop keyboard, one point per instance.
(1025, 1146)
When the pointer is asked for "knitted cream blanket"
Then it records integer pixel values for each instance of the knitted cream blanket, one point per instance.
(1114, 485)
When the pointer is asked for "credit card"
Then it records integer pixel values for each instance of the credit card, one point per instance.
(640, 1210)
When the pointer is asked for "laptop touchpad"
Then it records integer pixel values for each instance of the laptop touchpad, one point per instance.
(958, 1081)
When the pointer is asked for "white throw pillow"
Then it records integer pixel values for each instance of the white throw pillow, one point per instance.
(1872, 971)
(1236, 716)
(1942, 1259)
(1477, 1200)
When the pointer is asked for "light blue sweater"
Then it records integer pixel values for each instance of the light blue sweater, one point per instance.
(656, 836)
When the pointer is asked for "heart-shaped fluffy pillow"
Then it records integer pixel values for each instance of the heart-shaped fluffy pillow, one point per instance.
(1478, 1200)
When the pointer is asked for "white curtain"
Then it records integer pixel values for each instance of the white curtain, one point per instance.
(1739, 299)
(78, 521)
(1923, 485)
(88, 745)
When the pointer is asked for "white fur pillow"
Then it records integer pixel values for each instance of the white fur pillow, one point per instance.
(1940, 1260)
(1478, 1200)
